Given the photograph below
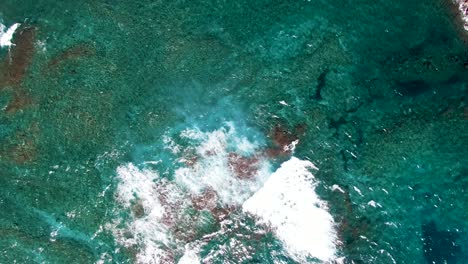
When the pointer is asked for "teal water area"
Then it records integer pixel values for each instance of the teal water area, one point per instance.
(376, 92)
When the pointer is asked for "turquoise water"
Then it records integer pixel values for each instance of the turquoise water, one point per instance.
(375, 91)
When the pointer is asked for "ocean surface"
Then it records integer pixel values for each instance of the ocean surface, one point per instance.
(235, 131)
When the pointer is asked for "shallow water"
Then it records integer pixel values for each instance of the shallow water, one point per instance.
(151, 132)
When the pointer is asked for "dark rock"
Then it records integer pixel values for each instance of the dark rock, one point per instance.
(439, 246)
(138, 210)
(413, 88)
(321, 82)
(336, 124)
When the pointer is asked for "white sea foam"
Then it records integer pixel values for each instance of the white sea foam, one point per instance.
(147, 231)
(212, 168)
(288, 203)
(336, 187)
(159, 205)
(374, 204)
(357, 190)
(291, 147)
(170, 144)
(6, 34)
(284, 200)
(190, 256)
(463, 8)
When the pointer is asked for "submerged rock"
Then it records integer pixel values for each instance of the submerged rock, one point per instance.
(439, 246)
(413, 88)
(14, 67)
(73, 52)
(243, 167)
(284, 140)
(207, 200)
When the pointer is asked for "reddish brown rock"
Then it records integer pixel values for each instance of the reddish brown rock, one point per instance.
(20, 100)
(191, 160)
(283, 140)
(25, 149)
(171, 206)
(16, 64)
(207, 200)
(459, 11)
(14, 68)
(282, 137)
(74, 52)
(24, 152)
(221, 213)
(243, 167)
(350, 226)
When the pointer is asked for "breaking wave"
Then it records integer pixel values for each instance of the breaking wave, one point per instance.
(220, 173)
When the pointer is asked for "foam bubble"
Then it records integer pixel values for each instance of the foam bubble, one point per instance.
(6, 35)
(284, 200)
(158, 205)
(138, 187)
(190, 256)
(213, 169)
(288, 203)
(463, 8)
(336, 187)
